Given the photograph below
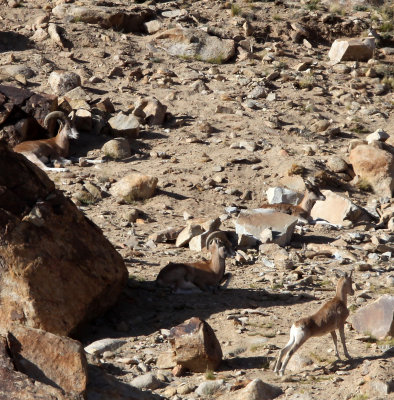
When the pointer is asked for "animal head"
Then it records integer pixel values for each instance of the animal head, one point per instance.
(313, 191)
(347, 281)
(65, 122)
(218, 241)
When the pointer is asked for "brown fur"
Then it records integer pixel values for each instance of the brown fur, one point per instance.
(201, 274)
(331, 316)
(301, 210)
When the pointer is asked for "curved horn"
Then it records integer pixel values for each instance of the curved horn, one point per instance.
(54, 114)
(310, 182)
(220, 235)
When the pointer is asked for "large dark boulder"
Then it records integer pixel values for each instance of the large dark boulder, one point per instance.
(57, 270)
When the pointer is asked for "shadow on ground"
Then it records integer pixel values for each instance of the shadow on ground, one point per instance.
(147, 309)
(12, 41)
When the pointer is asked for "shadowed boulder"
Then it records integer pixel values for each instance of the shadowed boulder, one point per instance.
(57, 268)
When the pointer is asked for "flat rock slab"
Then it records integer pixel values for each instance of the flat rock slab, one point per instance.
(376, 319)
(100, 346)
(254, 222)
(196, 44)
(278, 194)
(336, 209)
(131, 20)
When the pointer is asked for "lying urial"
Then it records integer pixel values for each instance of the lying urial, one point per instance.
(56, 148)
(332, 315)
(200, 275)
(304, 208)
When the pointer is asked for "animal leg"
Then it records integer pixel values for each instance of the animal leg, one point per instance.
(186, 287)
(62, 161)
(334, 338)
(342, 335)
(282, 353)
(285, 350)
(299, 339)
(35, 160)
(226, 279)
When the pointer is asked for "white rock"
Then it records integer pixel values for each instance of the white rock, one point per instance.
(282, 195)
(125, 125)
(254, 222)
(62, 81)
(379, 135)
(147, 381)
(100, 346)
(153, 26)
(208, 388)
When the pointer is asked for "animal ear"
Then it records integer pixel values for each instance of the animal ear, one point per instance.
(339, 273)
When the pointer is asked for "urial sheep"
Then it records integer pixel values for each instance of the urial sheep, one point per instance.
(56, 148)
(204, 275)
(332, 315)
(303, 209)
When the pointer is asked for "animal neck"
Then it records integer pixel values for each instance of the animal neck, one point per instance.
(307, 203)
(61, 140)
(341, 292)
(218, 263)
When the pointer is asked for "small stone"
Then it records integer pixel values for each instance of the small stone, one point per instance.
(208, 388)
(147, 381)
(379, 135)
(185, 389)
(125, 125)
(100, 346)
(248, 145)
(117, 148)
(134, 187)
(271, 96)
(61, 82)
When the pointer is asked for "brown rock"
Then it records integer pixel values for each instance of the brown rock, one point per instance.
(155, 112)
(255, 390)
(376, 166)
(135, 187)
(58, 270)
(22, 114)
(196, 346)
(16, 385)
(351, 50)
(376, 319)
(49, 358)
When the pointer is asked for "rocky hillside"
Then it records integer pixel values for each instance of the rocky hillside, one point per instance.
(212, 103)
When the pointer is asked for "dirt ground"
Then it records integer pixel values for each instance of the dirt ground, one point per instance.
(285, 134)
